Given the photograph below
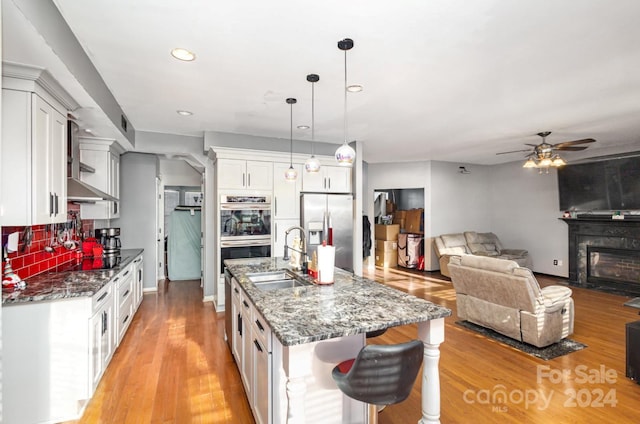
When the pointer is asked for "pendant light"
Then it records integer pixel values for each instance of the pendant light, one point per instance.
(291, 174)
(312, 164)
(345, 155)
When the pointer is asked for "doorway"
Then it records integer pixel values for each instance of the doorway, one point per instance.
(183, 232)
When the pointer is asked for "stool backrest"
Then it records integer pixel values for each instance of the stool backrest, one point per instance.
(382, 374)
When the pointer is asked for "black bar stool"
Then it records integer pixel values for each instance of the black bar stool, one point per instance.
(380, 374)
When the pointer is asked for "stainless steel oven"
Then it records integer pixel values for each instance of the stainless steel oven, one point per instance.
(245, 227)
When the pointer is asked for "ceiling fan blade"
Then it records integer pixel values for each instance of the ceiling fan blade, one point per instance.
(514, 151)
(571, 148)
(529, 144)
(571, 143)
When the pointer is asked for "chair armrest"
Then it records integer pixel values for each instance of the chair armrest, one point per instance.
(515, 252)
(555, 296)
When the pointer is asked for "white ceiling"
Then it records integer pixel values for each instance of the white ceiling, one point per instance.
(443, 80)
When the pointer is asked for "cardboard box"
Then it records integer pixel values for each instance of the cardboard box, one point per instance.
(414, 221)
(387, 232)
(386, 253)
(400, 218)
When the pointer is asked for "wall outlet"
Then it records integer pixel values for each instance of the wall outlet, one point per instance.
(555, 262)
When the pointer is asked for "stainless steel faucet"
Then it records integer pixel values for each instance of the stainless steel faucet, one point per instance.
(303, 251)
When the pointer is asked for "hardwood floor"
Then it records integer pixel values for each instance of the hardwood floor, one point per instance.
(174, 366)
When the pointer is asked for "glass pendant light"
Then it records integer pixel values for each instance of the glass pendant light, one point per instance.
(530, 163)
(312, 164)
(345, 155)
(291, 174)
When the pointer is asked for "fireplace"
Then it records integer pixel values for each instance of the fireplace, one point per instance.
(604, 254)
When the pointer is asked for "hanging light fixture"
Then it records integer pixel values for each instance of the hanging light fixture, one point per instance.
(291, 174)
(312, 164)
(345, 155)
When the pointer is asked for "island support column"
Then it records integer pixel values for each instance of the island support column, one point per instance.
(432, 335)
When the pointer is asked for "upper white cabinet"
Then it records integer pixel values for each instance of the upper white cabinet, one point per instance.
(34, 157)
(103, 156)
(330, 179)
(286, 194)
(244, 174)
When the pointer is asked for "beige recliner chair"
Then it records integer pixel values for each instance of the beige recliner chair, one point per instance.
(500, 295)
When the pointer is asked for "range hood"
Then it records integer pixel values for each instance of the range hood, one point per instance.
(79, 191)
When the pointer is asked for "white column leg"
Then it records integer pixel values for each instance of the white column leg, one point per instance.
(432, 335)
(296, 389)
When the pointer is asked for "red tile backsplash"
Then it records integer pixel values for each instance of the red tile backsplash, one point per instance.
(33, 259)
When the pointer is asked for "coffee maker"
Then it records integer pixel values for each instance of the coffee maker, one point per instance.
(109, 238)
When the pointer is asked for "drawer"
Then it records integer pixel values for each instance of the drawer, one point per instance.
(261, 330)
(125, 316)
(125, 290)
(101, 297)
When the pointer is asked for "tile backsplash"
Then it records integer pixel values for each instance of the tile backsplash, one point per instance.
(32, 259)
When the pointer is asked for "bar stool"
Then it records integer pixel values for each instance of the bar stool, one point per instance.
(380, 374)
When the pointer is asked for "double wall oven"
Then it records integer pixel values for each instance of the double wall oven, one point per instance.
(245, 227)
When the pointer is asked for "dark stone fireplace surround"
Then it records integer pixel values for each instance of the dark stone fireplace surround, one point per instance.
(601, 231)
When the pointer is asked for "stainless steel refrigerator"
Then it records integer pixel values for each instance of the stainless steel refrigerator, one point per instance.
(325, 216)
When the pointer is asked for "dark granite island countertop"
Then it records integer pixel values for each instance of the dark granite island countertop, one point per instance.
(56, 285)
(350, 306)
(314, 327)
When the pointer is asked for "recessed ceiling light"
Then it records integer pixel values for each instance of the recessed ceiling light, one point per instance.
(88, 130)
(355, 88)
(184, 112)
(183, 54)
(303, 127)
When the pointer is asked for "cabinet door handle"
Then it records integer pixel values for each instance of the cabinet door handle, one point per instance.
(329, 181)
(125, 274)
(50, 204)
(243, 174)
(248, 180)
(55, 196)
(236, 290)
(275, 206)
(125, 319)
(125, 293)
(240, 324)
(104, 321)
(275, 224)
(260, 327)
(102, 297)
(246, 305)
(257, 345)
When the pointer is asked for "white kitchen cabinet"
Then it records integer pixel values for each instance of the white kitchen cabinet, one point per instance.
(330, 179)
(103, 156)
(101, 335)
(246, 370)
(236, 316)
(34, 159)
(124, 286)
(138, 281)
(244, 174)
(280, 226)
(262, 366)
(286, 194)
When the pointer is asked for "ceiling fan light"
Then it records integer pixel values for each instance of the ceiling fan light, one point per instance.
(530, 164)
(558, 161)
(545, 163)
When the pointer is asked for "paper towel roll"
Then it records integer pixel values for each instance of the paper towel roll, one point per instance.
(326, 264)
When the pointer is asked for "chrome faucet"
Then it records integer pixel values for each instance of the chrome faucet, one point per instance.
(303, 250)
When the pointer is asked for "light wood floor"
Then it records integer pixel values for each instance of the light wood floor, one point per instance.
(174, 366)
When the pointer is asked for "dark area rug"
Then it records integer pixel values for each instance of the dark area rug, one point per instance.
(563, 347)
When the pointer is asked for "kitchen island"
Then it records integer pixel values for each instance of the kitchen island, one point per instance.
(311, 328)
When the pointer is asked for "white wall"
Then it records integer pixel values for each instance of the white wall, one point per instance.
(179, 173)
(137, 220)
(525, 215)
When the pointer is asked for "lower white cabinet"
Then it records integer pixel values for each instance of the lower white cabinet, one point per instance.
(102, 342)
(261, 359)
(55, 352)
(246, 370)
(236, 316)
(138, 281)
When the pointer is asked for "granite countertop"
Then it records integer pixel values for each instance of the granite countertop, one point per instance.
(56, 285)
(350, 306)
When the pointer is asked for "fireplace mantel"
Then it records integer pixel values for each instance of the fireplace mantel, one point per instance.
(601, 230)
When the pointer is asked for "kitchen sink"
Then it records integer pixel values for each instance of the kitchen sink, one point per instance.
(272, 280)
(280, 284)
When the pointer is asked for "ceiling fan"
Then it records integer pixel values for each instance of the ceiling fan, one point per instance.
(544, 154)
